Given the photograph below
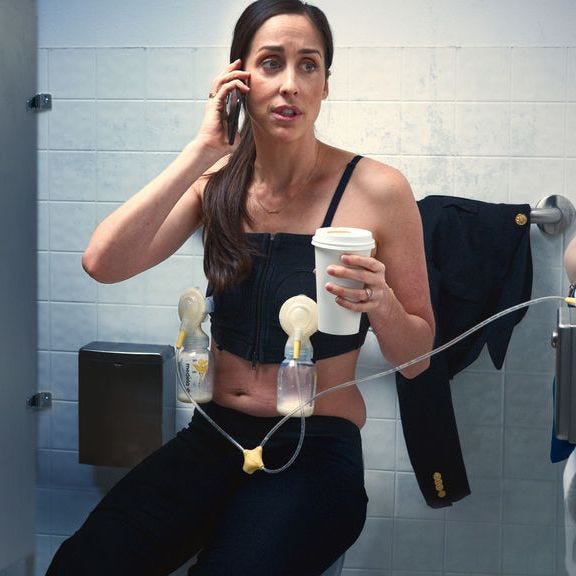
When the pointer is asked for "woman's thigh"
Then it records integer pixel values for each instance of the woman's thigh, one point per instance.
(159, 515)
(192, 494)
(295, 523)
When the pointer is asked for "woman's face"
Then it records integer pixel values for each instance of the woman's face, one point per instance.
(287, 77)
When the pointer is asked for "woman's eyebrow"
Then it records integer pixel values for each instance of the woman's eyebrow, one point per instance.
(272, 48)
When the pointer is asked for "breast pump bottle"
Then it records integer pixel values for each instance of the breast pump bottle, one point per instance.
(296, 383)
(194, 359)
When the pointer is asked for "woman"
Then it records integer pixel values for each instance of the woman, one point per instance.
(260, 200)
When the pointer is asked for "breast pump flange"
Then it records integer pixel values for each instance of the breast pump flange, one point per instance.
(194, 359)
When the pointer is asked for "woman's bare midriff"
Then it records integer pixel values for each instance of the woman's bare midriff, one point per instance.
(252, 390)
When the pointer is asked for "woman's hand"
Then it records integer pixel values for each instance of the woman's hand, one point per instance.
(370, 272)
(213, 132)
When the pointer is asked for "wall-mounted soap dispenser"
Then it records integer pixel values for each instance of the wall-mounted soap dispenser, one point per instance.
(126, 401)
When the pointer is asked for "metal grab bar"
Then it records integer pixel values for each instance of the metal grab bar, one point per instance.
(553, 214)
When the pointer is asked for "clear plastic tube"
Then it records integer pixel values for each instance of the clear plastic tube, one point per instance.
(233, 441)
(357, 381)
(197, 406)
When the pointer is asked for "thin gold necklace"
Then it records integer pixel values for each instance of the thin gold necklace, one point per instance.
(279, 210)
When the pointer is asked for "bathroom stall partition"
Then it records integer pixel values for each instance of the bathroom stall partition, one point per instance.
(469, 99)
(18, 341)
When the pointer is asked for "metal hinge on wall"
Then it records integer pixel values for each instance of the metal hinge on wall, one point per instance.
(40, 401)
(40, 103)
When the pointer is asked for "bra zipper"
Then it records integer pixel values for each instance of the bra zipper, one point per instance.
(260, 302)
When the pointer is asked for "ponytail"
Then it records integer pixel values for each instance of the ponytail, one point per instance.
(227, 252)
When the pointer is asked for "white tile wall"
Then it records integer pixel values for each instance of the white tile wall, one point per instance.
(571, 129)
(119, 173)
(571, 75)
(483, 74)
(121, 125)
(418, 545)
(428, 74)
(72, 73)
(530, 176)
(492, 123)
(528, 550)
(382, 122)
(71, 224)
(369, 85)
(473, 547)
(121, 74)
(482, 128)
(171, 74)
(537, 129)
(485, 506)
(539, 74)
(427, 128)
(72, 175)
(72, 125)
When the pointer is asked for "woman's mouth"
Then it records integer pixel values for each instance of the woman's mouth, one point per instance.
(286, 112)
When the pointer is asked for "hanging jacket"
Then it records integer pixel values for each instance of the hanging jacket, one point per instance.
(479, 263)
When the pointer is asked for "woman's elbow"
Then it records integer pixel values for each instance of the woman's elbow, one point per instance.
(416, 369)
(95, 267)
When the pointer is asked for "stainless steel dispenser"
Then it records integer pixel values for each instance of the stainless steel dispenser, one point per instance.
(564, 340)
(126, 401)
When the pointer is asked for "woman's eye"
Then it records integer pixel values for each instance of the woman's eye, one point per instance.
(270, 64)
(309, 66)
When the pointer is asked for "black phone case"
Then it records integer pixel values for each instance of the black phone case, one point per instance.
(233, 102)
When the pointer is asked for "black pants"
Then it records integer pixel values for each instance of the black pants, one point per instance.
(192, 495)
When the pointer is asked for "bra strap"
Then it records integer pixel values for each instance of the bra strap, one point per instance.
(339, 191)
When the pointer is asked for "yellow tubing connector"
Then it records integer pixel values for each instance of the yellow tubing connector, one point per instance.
(253, 460)
(181, 337)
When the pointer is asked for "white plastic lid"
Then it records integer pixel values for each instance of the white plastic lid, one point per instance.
(343, 238)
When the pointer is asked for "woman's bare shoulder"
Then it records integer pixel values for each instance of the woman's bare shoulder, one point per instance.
(382, 179)
(371, 175)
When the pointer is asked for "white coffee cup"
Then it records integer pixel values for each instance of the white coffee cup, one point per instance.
(329, 244)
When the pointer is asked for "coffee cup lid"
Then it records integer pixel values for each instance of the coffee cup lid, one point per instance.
(343, 238)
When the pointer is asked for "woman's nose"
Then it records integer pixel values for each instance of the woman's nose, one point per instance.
(289, 83)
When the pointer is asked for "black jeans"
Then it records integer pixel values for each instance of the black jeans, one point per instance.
(192, 495)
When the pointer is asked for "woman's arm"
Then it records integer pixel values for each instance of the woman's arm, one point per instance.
(399, 309)
(570, 260)
(157, 220)
(152, 224)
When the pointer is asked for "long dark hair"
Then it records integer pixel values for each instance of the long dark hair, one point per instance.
(227, 253)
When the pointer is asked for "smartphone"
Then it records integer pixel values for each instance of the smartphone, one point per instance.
(233, 104)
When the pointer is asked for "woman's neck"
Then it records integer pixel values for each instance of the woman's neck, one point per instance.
(283, 167)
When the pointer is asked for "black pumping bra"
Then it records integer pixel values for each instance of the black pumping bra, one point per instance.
(244, 320)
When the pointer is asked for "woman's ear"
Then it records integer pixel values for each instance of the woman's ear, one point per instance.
(326, 87)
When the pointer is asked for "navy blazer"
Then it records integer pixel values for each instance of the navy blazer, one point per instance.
(479, 263)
